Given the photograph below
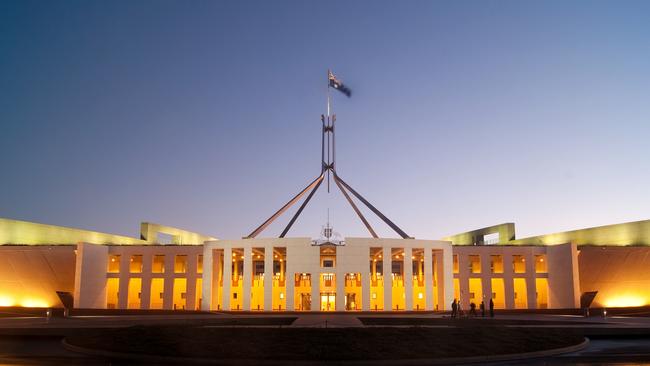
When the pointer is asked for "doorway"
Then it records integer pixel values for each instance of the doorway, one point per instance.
(327, 301)
(305, 302)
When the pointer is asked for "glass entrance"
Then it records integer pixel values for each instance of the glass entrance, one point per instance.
(305, 302)
(327, 301)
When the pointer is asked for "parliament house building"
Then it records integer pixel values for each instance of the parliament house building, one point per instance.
(174, 269)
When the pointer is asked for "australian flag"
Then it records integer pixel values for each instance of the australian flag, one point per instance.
(338, 85)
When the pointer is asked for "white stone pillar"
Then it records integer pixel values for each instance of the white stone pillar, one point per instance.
(145, 290)
(190, 292)
(340, 291)
(315, 291)
(289, 280)
(508, 285)
(168, 293)
(463, 280)
(530, 280)
(408, 278)
(123, 285)
(217, 279)
(227, 277)
(486, 280)
(365, 291)
(207, 277)
(428, 278)
(448, 278)
(387, 271)
(440, 281)
(248, 278)
(268, 278)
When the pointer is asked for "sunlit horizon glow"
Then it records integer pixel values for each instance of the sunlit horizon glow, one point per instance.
(206, 115)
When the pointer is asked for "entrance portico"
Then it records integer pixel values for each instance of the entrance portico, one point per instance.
(294, 274)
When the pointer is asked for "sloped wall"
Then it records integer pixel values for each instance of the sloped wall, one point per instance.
(621, 275)
(31, 275)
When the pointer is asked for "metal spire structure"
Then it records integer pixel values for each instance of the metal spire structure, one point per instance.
(328, 167)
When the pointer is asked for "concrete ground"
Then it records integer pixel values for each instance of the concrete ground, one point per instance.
(37, 341)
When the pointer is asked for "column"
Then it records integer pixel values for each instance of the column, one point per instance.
(207, 278)
(218, 261)
(123, 286)
(448, 278)
(248, 278)
(315, 291)
(388, 278)
(168, 285)
(486, 280)
(428, 278)
(463, 280)
(408, 278)
(268, 278)
(168, 294)
(509, 291)
(190, 290)
(340, 291)
(227, 277)
(365, 291)
(531, 291)
(439, 281)
(145, 290)
(290, 282)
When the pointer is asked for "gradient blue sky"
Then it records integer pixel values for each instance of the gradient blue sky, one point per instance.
(205, 115)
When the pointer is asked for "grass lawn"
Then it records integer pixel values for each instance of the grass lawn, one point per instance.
(325, 344)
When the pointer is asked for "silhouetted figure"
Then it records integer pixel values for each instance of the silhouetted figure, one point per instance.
(454, 309)
(491, 308)
(482, 307)
(472, 309)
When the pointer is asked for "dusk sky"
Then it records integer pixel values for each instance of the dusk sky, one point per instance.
(205, 115)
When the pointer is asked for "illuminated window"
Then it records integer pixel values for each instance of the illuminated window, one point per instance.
(135, 264)
(199, 266)
(158, 264)
(540, 263)
(518, 264)
(180, 264)
(157, 293)
(114, 263)
(455, 263)
(475, 264)
(496, 263)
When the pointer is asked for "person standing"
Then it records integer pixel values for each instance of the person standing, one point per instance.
(454, 308)
(482, 308)
(491, 308)
(472, 309)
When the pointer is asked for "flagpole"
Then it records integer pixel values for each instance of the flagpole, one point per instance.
(328, 126)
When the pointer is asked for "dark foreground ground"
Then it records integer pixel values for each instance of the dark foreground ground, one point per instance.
(321, 338)
(326, 343)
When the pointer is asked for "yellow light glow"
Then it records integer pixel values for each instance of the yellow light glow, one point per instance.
(420, 295)
(6, 300)
(625, 301)
(34, 303)
(234, 254)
